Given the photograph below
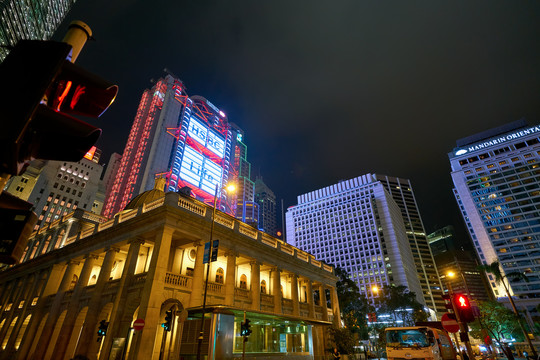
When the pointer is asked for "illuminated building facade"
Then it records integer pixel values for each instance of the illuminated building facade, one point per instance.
(402, 193)
(29, 20)
(185, 140)
(57, 188)
(496, 175)
(247, 210)
(357, 226)
(266, 200)
(148, 260)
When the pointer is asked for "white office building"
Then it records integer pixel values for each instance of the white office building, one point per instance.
(356, 225)
(496, 175)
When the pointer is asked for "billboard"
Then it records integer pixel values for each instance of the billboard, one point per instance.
(201, 166)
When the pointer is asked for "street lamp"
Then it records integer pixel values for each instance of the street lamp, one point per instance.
(229, 188)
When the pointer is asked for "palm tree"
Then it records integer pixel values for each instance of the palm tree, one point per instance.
(495, 269)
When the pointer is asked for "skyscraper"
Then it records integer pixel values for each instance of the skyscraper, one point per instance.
(187, 141)
(402, 192)
(450, 257)
(356, 225)
(496, 175)
(266, 200)
(29, 20)
(57, 188)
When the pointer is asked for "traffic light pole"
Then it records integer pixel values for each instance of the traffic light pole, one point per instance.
(244, 341)
(462, 326)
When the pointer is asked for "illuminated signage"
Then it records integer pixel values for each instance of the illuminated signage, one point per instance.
(498, 141)
(90, 154)
(206, 137)
(200, 171)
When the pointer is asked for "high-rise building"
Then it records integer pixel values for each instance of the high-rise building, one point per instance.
(357, 226)
(246, 208)
(496, 175)
(450, 257)
(57, 188)
(402, 192)
(266, 200)
(29, 20)
(110, 173)
(187, 141)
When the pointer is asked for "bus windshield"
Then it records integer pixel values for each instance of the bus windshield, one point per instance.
(407, 338)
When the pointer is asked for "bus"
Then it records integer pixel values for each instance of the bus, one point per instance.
(418, 342)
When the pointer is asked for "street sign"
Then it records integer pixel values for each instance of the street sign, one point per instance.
(206, 256)
(215, 246)
(449, 323)
(138, 324)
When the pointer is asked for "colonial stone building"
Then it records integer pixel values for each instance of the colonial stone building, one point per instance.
(83, 271)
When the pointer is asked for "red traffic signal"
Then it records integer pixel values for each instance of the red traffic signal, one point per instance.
(39, 91)
(463, 307)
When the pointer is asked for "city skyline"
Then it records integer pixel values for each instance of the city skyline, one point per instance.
(348, 90)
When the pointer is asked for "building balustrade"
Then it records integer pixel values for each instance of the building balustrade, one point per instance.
(215, 287)
(241, 293)
(138, 280)
(178, 280)
(287, 306)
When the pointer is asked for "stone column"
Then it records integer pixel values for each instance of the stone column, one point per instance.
(322, 297)
(119, 300)
(198, 278)
(54, 312)
(335, 307)
(73, 308)
(88, 332)
(48, 288)
(14, 297)
(152, 295)
(230, 278)
(294, 294)
(27, 294)
(276, 289)
(255, 285)
(311, 303)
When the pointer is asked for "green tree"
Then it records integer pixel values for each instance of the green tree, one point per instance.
(354, 306)
(401, 305)
(497, 320)
(495, 269)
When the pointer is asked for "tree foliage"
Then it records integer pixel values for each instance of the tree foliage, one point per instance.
(354, 306)
(343, 339)
(401, 305)
(499, 321)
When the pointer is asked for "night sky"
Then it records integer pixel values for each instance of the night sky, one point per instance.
(329, 90)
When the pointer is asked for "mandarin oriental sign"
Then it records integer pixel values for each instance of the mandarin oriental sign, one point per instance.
(498, 140)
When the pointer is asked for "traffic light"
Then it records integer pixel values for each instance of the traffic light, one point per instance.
(17, 222)
(40, 91)
(168, 320)
(246, 328)
(102, 330)
(463, 307)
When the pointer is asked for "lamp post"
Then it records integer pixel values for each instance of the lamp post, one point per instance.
(230, 188)
(462, 326)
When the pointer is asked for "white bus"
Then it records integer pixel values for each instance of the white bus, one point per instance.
(418, 342)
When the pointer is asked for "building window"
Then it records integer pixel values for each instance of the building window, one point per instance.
(243, 282)
(219, 276)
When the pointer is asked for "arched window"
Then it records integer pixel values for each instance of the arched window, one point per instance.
(219, 276)
(243, 282)
(263, 287)
(21, 332)
(93, 280)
